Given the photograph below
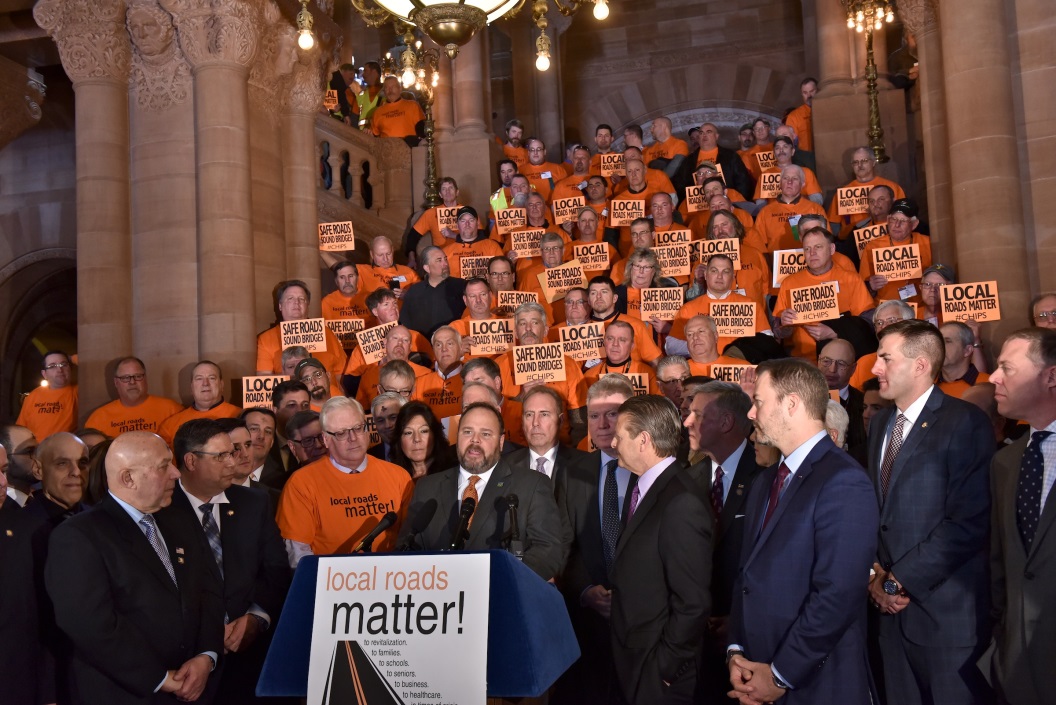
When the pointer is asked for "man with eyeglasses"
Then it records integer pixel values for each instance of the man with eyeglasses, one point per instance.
(384, 306)
(134, 409)
(293, 298)
(304, 437)
(397, 349)
(20, 445)
(1043, 310)
(51, 407)
(552, 254)
(901, 225)
(238, 525)
(601, 293)
(837, 362)
(542, 174)
(207, 392)
(671, 372)
(313, 375)
(863, 164)
(332, 503)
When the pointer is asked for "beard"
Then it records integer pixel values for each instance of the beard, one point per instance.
(477, 464)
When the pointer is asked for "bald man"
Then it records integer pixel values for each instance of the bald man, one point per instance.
(134, 594)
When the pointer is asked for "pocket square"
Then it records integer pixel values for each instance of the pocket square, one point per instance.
(738, 516)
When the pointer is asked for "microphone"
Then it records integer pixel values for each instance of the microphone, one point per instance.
(364, 546)
(513, 537)
(469, 505)
(421, 521)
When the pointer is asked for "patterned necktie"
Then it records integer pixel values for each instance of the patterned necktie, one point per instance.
(150, 528)
(893, 446)
(610, 516)
(471, 491)
(540, 465)
(775, 493)
(1028, 489)
(716, 493)
(212, 534)
(636, 494)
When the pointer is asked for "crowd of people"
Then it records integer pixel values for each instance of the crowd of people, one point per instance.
(737, 497)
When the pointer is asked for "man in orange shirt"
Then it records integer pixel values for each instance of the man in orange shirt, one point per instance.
(51, 408)
(311, 373)
(958, 373)
(863, 163)
(784, 150)
(543, 175)
(801, 119)
(512, 147)
(399, 116)
(350, 299)
(763, 143)
(777, 223)
(575, 183)
(478, 308)
(471, 242)
(643, 182)
(293, 299)
(702, 338)
(383, 271)
(602, 144)
(382, 305)
(441, 387)
(819, 245)
(667, 152)
(134, 409)
(901, 224)
(397, 348)
(328, 506)
(429, 222)
(618, 345)
(601, 293)
(207, 393)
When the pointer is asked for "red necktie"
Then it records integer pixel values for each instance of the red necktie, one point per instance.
(775, 492)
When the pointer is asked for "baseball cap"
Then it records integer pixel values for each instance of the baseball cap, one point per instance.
(906, 207)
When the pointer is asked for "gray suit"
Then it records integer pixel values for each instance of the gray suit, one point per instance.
(1023, 590)
(934, 525)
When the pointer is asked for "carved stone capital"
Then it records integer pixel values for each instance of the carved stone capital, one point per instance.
(217, 31)
(305, 88)
(90, 35)
(919, 16)
(21, 93)
(274, 62)
(161, 76)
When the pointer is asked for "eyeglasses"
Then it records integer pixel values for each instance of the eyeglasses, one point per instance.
(555, 248)
(931, 285)
(312, 441)
(829, 362)
(128, 379)
(862, 162)
(243, 448)
(575, 302)
(642, 267)
(1045, 316)
(498, 275)
(878, 324)
(405, 393)
(57, 366)
(675, 380)
(223, 456)
(315, 377)
(342, 435)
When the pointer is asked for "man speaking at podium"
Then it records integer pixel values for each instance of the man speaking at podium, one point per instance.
(503, 498)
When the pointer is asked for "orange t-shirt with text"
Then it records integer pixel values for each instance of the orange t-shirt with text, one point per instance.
(223, 410)
(46, 411)
(115, 418)
(396, 119)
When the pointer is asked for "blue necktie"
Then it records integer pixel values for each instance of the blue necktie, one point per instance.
(212, 534)
(610, 517)
(1028, 489)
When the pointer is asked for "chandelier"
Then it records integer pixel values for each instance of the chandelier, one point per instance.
(868, 14)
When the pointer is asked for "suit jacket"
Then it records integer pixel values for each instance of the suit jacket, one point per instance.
(660, 600)
(854, 406)
(113, 597)
(935, 521)
(799, 599)
(378, 451)
(1023, 588)
(735, 173)
(729, 532)
(538, 520)
(273, 474)
(566, 457)
(21, 652)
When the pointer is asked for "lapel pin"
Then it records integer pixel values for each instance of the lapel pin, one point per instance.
(179, 559)
(9, 532)
(179, 551)
(500, 484)
(230, 512)
(924, 425)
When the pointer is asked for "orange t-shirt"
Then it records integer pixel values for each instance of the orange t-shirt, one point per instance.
(223, 410)
(810, 184)
(852, 218)
(772, 226)
(853, 297)
(569, 187)
(518, 155)
(701, 306)
(336, 305)
(802, 121)
(957, 387)
(645, 348)
(372, 278)
(704, 368)
(396, 119)
(568, 389)
(544, 177)
(668, 149)
(890, 290)
(630, 367)
(46, 411)
(331, 510)
(444, 397)
(115, 418)
(656, 181)
(429, 224)
(357, 365)
(456, 250)
(751, 161)
(368, 383)
(269, 353)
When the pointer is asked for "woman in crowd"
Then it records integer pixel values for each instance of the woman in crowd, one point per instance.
(421, 446)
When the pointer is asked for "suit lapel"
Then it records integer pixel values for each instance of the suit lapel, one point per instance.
(646, 503)
(882, 422)
(913, 436)
(739, 487)
(138, 545)
(484, 516)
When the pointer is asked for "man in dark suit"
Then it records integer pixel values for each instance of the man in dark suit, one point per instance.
(662, 568)
(482, 474)
(135, 594)
(542, 415)
(596, 495)
(797, 622)
(929, 459)
(384, 409)
(483, 393)
(837, 362)
(237, 527)
(267, 464)
(1022, 545)
(718, 426)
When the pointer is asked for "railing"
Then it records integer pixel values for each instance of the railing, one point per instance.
(364, 179)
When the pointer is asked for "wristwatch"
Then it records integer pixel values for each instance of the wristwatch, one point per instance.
(891, 587)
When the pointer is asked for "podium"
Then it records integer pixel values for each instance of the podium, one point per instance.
(530, 638)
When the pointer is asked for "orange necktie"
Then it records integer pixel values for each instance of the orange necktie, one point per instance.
(471, 491)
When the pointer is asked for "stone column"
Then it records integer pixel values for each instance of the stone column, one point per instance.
(1037, 75)
(300, 169)
(984, 154)
(548, 113)
(443, 102)
(469, 90)
(834, 49)
(921, 20)
(220, 41)
(95, 51)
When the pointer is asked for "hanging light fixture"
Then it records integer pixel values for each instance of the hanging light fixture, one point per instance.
(867, 16)
(305, 38)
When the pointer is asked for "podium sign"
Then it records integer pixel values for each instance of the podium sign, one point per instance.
(400, 629)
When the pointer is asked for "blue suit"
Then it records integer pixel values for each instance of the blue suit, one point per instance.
(799, 599)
